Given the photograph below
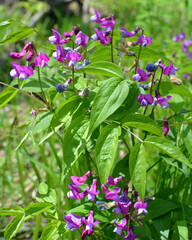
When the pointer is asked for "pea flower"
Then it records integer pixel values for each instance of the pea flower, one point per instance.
(168, 69)
(92, 192)
(141, 207)
(88, 224)
(141, 75)
(41, 60)
(108, 24)
(80, 180)
(110, 195)
(75, 192)
(166, 127)
(97, 17)
(120, 226)
(27, 48)
(81, 39)
(23, 72)
(150, 67)
(178, 38)
(73, 57)
(123, 203)
(130, 235)
(113, 181)
(102, 36)
(57, 38)
(143, 40)
(161, 100)
(82, 65)
(61, 88)
(145, 99)
(60, 54)
(126, 34)
(73, 221)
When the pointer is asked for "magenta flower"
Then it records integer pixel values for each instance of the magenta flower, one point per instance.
(126, 34)
(141, 207)
(73, 57)
(41, 60)
(130, 235)
(57, 38)
(111, 195)
(75, 192)
(102, 36)
(23, 72)
(143, 40)
(166, 127)
(178, 38)
(80, 180)
(97, 17)
(113, 181)
(141, 75)
(120, 226)
(60, 54)
(88, 225)
(93, 191)
(81, 39)
(161, 100)
(168, 69)
(73, 221)
(27, 48)
(108, 24)
(145, 99)
(123, 203)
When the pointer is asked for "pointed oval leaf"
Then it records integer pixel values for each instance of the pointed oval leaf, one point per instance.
(109, 98)
(36, 209)
(103, 68)
(7, 95)
(106, 149)
(142, 122)
(137, 167)
(167, 146)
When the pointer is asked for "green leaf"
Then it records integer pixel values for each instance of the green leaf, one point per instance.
(103, 68)
(22, 33)
(43, 188)
(42, 122)
(106, 149)
(142, 122)
(14, 226)
(166, 146)
(137, 167)
(23, 140)
(36, 209)
(16, 210)
(169, 88)
(50, 230)
(162, 225)
(176, 102)
(109, 98)
(5, 24)
(187, 137)
(182, 230)
(7, 95)
(75, 141)
(102, 53)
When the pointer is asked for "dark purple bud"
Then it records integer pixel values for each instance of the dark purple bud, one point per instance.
(166, 127)
(61, 87)
(150, 67)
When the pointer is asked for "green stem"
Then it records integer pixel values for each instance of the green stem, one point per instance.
(112, 60)
(40, 84)
(36, 230)
(160, 79)
(73, 79)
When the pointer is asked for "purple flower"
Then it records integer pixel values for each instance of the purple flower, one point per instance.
(82, 65)
(121, 226)
(161, 100)
(92, 192)
(41, 60)
(123, 203)
(113, 181)
(169, 69)
(126, 34)
(75, 192)
(88, 225)
(150, 67)
(142, 39)
(108, 25)
(80, 180)
(141, 75)
(141, 207)
(23, 72)
(178, 38)
(61, 88)
(130, 235)
(145, 99)
(111, 195)
(182, 35)
(166, 127)
(73, 57)
(73, 221)
(102, 36)
(97, 17)
(60, 54)
(27, 48)
(81, 39)
(57, 38)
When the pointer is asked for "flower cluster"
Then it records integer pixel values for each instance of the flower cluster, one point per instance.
(23, 72)
(74, 222)
(107, 24)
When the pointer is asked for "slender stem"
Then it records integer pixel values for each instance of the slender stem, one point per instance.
(142, 31)
(24, 93)
(112, 60)
(36, 230)
(40, 84)
(160, 79)
(73, 78)
(179, 114)
(154, 165)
